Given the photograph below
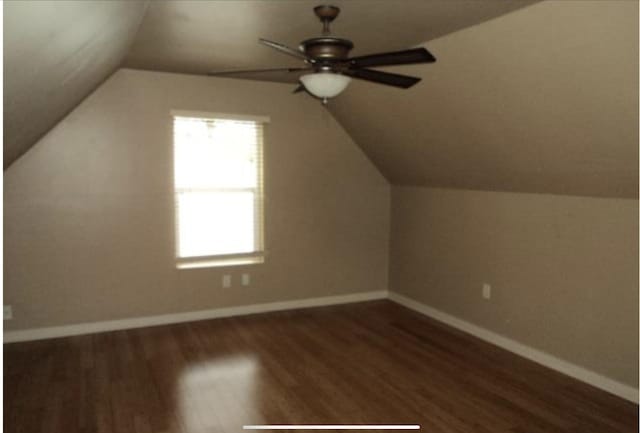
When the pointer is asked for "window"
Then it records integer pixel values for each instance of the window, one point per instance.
(218, 189)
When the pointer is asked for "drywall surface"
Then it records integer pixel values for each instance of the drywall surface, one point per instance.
(89, 211)
(543, 99)
(201, 36)
(563, 270)
(55, 54)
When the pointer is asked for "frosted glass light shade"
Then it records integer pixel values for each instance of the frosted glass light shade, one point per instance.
(325, 84)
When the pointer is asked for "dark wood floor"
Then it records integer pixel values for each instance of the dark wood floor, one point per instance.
(369, 363)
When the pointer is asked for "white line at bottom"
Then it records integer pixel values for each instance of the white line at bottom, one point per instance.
(332, 427)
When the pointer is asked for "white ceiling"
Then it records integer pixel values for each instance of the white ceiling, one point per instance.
(55, 54)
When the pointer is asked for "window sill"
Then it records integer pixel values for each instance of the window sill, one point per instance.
(220, 262)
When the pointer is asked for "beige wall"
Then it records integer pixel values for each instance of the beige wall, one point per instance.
(564, 270)
(89, 234)
(88, 211)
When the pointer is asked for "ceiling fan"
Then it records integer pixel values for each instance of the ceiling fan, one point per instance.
(330, 68)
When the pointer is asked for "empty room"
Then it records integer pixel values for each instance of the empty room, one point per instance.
(290, 215)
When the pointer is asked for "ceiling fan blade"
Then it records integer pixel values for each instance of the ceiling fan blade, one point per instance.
(396, 80)
(284, 49)
(406, 57)
(252, 71)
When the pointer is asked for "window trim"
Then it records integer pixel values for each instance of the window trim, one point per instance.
(223, 116)
(252, 258)
(220, 260)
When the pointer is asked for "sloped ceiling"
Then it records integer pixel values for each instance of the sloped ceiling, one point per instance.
(198, 36)
(541, 98)
(55, 54)
(544, 99)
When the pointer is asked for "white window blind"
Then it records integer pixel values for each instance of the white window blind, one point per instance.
(218, 190)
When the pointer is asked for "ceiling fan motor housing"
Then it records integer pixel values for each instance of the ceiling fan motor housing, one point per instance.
(330, 67)
(327, 48)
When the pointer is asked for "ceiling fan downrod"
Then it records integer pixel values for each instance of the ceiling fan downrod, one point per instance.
(329, 67)
(326, 14)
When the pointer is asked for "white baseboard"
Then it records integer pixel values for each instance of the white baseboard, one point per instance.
(599, 381)
(141, 322)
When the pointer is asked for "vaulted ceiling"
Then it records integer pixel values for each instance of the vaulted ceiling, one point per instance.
(197, 37)
(526, 96)
(544, 99)
(55, 54)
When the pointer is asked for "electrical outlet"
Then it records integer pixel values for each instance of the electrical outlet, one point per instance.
(226, 281)
(486, 291)
(8, 312)
(246, 279)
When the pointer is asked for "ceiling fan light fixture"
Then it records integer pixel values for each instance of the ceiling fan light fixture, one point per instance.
(330, 67)
(325, 84)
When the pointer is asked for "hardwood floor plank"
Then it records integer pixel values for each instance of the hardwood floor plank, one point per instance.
(368, 363)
